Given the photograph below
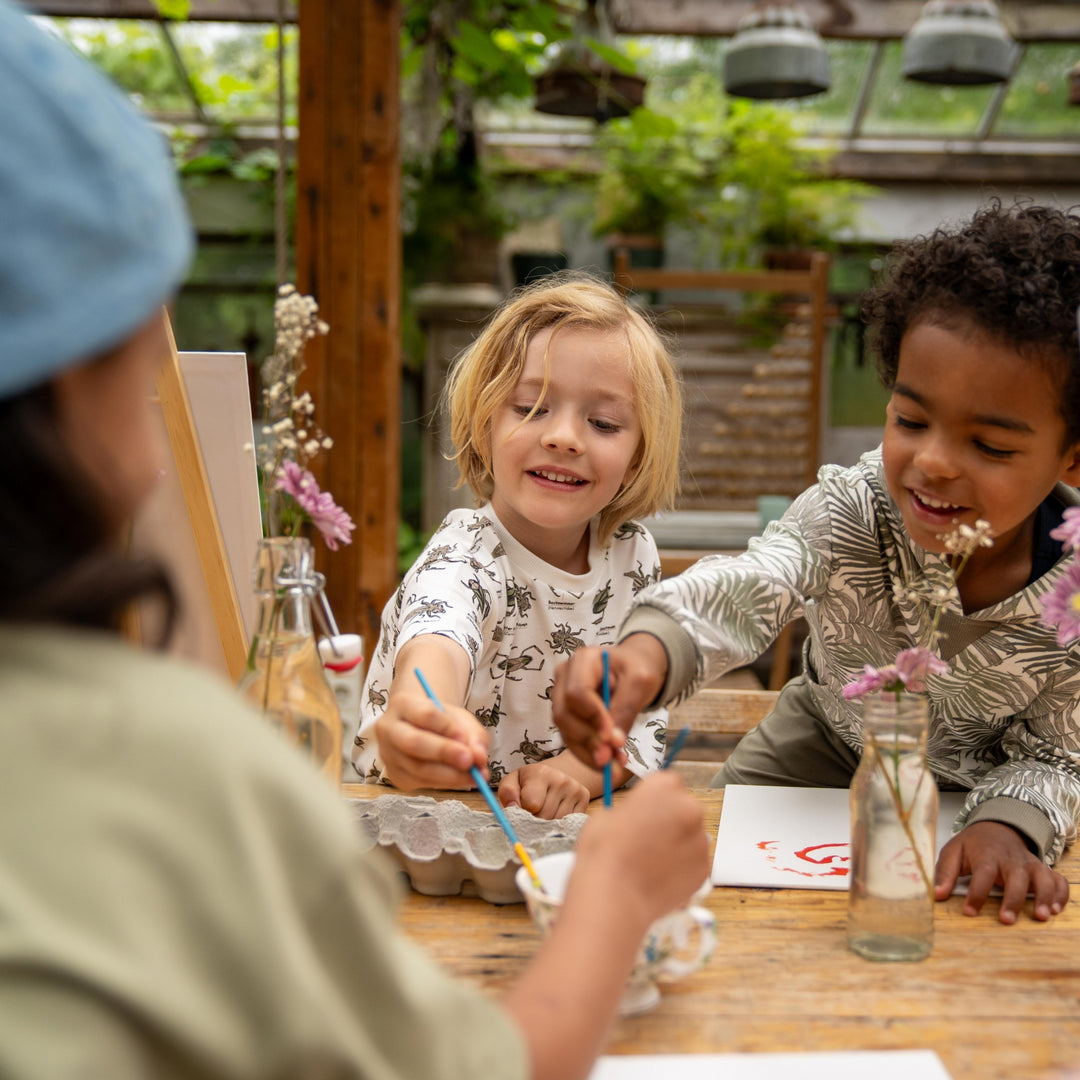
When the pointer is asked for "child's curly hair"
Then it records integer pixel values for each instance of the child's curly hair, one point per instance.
(485, 375)
(1012, 272)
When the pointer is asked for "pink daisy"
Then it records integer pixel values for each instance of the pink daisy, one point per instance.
(1068, 532)
(873, 679)
(333, 523)
(1061, 606)
(914, 666)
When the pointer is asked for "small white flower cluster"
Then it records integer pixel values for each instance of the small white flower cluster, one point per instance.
(289, 431)
(965, 539)
(296, 322)
(960, 545)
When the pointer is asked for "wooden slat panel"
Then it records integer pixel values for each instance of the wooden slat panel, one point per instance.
(752, 414)
(723, 712)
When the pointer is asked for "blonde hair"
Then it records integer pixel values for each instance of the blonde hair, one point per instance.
(485, 375)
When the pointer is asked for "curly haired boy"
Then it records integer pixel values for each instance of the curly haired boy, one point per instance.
(975, 329)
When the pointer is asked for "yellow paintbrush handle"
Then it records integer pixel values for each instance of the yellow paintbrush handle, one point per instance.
(523, 855)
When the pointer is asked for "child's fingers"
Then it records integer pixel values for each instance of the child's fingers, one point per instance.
(510, 789)
(578, 709)
(983, 878)
(1051, 891)
(428, 747)
(948, 870)
(1013, 895)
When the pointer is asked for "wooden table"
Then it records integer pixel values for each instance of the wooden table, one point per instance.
(995, 1002)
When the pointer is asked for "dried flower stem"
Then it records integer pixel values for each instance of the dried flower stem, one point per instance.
(903, 815)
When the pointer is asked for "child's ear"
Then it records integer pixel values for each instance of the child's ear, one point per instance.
(1071, 473)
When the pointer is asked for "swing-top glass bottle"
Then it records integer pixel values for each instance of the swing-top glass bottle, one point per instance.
(284, 676)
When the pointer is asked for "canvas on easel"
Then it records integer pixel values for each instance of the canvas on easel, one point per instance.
(203, 519)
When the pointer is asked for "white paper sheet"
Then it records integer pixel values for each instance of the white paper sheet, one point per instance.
(842, 1065)
(794, 838)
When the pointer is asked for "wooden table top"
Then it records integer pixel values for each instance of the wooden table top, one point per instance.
(995, 1002)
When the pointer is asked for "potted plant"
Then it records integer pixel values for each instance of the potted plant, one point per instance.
(650, 172)
(771, 203)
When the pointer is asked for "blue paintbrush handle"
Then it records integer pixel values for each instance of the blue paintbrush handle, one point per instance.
(607, 705)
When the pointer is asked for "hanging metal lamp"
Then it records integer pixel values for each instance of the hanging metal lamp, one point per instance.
(776, 53)
(958, 43)
(579, 82)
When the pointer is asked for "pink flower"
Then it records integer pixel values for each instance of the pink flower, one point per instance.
(915, 665)
(1061, 606)
(334, 524)
(1068, 532)
(910, 672)
(873, 679)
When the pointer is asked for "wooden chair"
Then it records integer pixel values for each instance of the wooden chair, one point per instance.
(751, 455)
(717, 719)
(769, 443)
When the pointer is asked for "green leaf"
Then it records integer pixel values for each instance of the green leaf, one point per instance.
(617, 59)
(173, 9)
(477, 45)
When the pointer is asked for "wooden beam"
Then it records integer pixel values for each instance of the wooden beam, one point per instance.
(349, 257)
(876, 160)
(1049, 20)
(263, 11)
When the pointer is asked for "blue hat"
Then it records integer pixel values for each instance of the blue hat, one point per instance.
(93, 231)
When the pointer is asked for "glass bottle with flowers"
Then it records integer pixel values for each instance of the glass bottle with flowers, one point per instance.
(284, 675)
(893, 796)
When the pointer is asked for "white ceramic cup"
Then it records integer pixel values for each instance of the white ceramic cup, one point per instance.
(666, 952)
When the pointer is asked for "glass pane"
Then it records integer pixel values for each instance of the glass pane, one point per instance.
(899, 106)
(135, 55)
(831, 113)
(1037, 103)
(233, 67)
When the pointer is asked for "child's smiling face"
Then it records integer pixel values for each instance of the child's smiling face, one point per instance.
(973, 431)
(556, 469)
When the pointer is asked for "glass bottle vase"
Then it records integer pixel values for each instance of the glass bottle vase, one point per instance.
(284, 676)
(894, 806)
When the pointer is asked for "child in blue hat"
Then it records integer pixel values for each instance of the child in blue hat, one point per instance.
(180, 894)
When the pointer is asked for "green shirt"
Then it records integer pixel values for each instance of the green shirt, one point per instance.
(182, 896)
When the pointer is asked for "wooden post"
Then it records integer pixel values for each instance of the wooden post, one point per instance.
(349, 259)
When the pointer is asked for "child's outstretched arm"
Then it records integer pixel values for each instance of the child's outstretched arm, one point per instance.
(421, 745)
(994, 853)
(634, 864)
(637, 669)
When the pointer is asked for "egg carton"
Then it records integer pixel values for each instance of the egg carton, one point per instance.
(446, 848)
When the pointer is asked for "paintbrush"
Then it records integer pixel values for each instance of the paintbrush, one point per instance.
(489, 797)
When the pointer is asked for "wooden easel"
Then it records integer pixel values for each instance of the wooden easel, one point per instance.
(184, 440)
(201, 512)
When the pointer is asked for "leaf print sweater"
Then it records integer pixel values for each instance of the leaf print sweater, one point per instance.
(1005, 718)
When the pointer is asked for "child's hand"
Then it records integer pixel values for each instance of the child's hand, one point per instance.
(422, 746)
(636, 673)
(650, 853)
(544, 790)
(995, 854)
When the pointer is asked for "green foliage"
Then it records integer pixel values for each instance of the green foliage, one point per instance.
(769, 190)
(410, 546)
(651, 170)
(733, 171)
(173, 9)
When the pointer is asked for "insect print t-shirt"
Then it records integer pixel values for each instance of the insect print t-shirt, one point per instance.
(517, 618)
